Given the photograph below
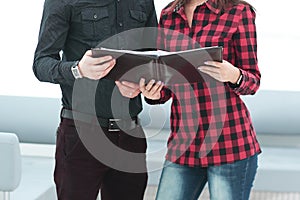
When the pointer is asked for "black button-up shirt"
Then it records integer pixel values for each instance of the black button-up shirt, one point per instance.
(70, 28)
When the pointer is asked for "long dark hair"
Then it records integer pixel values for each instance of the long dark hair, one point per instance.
(220, 4)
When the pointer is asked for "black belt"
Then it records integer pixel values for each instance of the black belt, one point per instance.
(111, 124)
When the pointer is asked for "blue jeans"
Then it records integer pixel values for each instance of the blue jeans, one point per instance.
(225, 182)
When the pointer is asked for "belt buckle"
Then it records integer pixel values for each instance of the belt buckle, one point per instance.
(112, 125)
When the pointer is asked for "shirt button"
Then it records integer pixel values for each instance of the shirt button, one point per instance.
(120, 24)
(95, 16)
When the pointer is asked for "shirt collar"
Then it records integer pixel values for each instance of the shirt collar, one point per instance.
(211, 4)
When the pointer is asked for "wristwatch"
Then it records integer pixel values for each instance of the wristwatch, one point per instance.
(75, 70)
(239, 81)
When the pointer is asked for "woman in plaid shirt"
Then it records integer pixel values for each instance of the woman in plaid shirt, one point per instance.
(212, 137)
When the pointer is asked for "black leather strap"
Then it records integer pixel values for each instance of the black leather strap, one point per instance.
(111, 124)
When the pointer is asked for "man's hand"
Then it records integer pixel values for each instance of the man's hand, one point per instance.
(128, 89)
(95, 68)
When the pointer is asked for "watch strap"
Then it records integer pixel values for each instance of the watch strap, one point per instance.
(238, 82)
(75, 70)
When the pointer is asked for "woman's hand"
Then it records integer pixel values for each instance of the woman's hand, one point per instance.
(128, 89)
(152, 89)
(221, 71)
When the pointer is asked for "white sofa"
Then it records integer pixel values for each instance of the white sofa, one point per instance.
(10, 164)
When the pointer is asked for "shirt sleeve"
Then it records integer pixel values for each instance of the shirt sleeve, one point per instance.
(150, 31)
(245, 45)
(152, 19)
(165, 95)
(47, 64)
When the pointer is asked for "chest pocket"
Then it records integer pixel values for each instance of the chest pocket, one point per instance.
(137, 19)
(95, 22)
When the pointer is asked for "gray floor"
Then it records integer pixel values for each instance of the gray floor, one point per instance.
(278, 176)
(255, 195)
(37, 179)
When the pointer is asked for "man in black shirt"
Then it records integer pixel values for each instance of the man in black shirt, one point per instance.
(99, 123)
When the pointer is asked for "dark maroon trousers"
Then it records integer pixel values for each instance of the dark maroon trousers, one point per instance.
(79, 175)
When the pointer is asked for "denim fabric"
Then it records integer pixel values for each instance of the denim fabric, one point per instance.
(225, 182)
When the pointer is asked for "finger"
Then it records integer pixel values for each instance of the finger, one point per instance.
(161, 87)
(142, 82)
(211, 73)
(103, 59)
(207, 69)
(150, 84)
(117, 83)
(120, 86)
(224, 61)
(112, 64)
(155, 88)
(88, 53)
(102, 74)
(104, 66)
(214, 74)
(125, 88)
(135, 93)
(212, 63)
(158, 91)
(122, 89)
(142, 85)
(130, 84)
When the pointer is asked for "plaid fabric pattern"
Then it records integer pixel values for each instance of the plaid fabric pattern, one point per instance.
(210, 124)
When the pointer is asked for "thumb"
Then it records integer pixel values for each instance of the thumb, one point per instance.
(88, 53)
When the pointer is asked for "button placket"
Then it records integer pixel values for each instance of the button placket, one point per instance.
(119, 16)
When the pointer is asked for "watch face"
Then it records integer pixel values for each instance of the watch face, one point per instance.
(76, 72)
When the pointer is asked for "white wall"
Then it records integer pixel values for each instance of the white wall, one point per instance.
(278, 46)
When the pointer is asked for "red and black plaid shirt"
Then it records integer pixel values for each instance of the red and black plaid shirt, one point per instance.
(210, 124)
